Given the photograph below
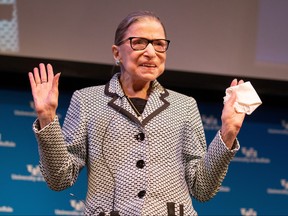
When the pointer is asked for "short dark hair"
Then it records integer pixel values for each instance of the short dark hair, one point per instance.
(130, 19)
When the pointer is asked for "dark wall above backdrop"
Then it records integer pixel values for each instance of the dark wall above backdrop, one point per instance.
(75, 75)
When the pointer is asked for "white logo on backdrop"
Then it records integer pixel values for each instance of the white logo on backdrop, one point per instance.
(35, 174)
(250, 156)
(26, 113)
(224, 189)
(248, 212)
(210, 123)
(31, 113)
(78, 207)
(283, 131)
(284, 191)
(6, 209)
(6, 143)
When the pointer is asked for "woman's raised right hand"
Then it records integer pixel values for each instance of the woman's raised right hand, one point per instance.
(44, 86)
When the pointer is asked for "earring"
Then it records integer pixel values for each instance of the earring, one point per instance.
(117, 62)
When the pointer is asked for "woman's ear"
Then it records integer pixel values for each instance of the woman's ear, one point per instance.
(115, 52)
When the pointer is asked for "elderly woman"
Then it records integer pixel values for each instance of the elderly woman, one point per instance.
(143, 145)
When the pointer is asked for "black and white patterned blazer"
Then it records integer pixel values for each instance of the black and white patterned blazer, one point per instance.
(135, 166)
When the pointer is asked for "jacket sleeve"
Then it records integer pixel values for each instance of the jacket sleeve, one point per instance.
(63, 152)
(205, 168)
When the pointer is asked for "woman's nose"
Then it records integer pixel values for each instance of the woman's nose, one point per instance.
(150, 51)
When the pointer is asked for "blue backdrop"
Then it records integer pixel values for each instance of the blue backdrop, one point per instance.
(256, 182)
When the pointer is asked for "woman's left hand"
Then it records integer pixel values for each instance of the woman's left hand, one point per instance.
(231, 119)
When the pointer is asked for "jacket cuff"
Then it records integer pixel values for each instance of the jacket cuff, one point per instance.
(235, 146)
(36, 125)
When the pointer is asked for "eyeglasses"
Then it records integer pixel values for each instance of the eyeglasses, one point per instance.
(139, 43)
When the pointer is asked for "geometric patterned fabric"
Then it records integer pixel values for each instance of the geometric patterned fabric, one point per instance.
(134, 165)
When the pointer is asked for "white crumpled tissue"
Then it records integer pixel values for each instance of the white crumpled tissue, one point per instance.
(247, 99)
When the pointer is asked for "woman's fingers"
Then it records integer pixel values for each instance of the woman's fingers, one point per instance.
(50, 73)
(241, 82)
(43, 73)
(36, 76)
(236, 82)
(233, 82)
(32, 80)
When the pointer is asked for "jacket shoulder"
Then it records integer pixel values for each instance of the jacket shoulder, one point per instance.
(180, 97)
(89, 91)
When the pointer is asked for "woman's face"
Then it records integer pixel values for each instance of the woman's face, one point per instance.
(141, 65)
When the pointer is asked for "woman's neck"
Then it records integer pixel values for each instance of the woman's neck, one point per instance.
(135, 89)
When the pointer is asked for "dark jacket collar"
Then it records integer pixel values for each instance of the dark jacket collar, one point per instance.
(155, 104)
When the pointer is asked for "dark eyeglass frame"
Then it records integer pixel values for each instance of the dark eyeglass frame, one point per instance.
(148, 41)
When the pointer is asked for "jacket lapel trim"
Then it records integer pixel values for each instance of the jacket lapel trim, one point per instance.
(159, 109)
(119, 108)
(112, 90)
